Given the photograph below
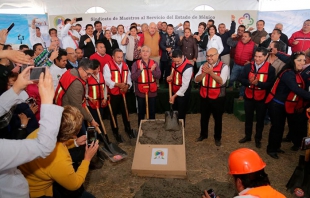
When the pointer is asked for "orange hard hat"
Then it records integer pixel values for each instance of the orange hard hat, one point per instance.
(244, 161)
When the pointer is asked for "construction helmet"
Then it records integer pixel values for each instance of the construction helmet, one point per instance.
(244, 161)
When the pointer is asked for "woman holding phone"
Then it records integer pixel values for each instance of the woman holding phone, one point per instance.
(43, 174)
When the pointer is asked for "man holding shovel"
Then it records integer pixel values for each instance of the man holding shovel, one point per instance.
(212, 76)
(96, 92)
(180, 78)
(118, 79)
(145, 72)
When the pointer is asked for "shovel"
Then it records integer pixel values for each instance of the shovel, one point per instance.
(300, 180)
(132, 133)
(110, 150)
(171, 117)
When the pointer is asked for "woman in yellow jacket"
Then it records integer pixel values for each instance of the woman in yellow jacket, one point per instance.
(57, 167)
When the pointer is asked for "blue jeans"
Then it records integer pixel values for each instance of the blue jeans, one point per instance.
(235, 73)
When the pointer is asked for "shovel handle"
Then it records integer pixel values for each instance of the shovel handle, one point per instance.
(101, 121)
(308, 113)
(170, 90)
(125, 106)
(147, 102)
(112, 115)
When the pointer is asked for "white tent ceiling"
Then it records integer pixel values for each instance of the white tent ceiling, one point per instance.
(55, 7)
(60, 7)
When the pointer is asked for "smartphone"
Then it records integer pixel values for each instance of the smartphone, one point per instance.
(10, 27)
(305, 144)
(211, 193)
(79, 19)
(23, 67)
(91, 135)
(36, 72)
(31, 101)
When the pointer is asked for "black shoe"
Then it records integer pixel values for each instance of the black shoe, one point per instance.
(118, 137)
(244, 140)
(286, 139)
(100, 155)
(130, 133)
(280, 151)
(95, 163)
(218, 142)
(258, 144)
(273, 155)
(294, 148)
(201, 138)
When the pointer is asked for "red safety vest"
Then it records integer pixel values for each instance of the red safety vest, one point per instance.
(95, 91)
(293, 101)
(146, 78)
(177, 73)
(253, 91)
(264, 192)
(209, 87)
(117, 76)
(64, 83)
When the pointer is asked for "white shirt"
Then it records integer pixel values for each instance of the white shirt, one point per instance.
(107, 75)
(186, 78)
(215, 42)
(56, 73)
(44, 39)
(224, 73)
(66, 39)
(119, 39)
(92, 38)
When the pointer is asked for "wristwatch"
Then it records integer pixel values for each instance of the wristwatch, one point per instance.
(23, 126)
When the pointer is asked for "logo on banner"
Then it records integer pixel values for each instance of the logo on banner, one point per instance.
(246, 20)
(59, 21)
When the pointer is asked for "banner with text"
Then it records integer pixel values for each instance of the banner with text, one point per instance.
(247, 18)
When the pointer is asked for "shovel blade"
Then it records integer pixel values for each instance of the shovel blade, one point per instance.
(172, 122)
(112, 157)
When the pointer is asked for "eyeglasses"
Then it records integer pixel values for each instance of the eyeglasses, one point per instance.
(88, 74)
(211, 55)
(306, 24)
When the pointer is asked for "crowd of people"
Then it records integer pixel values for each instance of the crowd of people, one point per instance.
(87, 71)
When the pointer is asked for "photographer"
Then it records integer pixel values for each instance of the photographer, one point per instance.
(16, 152)
(250, 179)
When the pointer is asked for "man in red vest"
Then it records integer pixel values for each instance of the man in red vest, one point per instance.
(118, 80)
(248, 173)
(258, 78)
(244, 52)
(96, 92)
(145, 72)
(180, 78)
(212, 75)
(71, 88)
(101, 55)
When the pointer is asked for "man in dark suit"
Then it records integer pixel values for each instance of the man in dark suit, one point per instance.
(275, 36)
(71, 58)
(109, 43)
(87, 41)
(98, 33)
